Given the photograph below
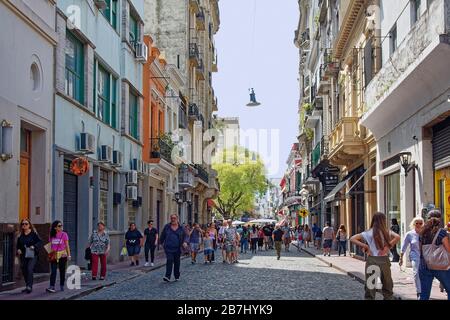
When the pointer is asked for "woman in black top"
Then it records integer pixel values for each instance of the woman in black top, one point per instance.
(133, 242)
(28, 245)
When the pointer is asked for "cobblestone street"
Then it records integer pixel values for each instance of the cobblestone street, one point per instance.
(296, 276)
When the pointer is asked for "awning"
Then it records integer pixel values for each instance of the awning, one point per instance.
(359, 179)
(292, 201)
(340, 185)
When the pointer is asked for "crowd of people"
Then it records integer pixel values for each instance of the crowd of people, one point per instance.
(428, 244)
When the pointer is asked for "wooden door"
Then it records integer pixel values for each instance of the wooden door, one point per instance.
(25, 154)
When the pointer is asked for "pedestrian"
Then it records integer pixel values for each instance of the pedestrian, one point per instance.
(195, 237)
(395, 228)
(230, 236)
(237, 243)
(318, 239)
(221, 232)
(186, 251)
(267, 236)
(253, 238)
(287, 238)
(412, 241)
(222, 240)
(378, 242)
(277, 237)
(244, 240)
(341, 237)
(212, 231)
(59, 255)
(172, 239)
(207, 247)
(28, 246)
(100, 246)
(133, 242)
(435, 255)
(328, 238)
(151, 241)
(314, 230)
(260, 239)
(307, 236)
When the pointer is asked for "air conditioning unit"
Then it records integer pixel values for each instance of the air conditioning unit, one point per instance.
(137, 165)
(87, 143)
(141, 52)
(117, 158)
(101, 4)
(132, 177)
(106, 154)
(132, 193)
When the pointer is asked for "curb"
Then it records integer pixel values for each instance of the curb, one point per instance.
(349, 273)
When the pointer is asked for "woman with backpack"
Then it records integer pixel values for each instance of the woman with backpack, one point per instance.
(378, 241)
(435, 255)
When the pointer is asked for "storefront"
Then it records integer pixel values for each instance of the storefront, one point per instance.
(441, 165)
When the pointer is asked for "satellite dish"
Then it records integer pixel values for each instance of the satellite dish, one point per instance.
(253, 102)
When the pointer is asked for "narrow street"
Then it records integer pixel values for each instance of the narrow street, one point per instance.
(297, 276)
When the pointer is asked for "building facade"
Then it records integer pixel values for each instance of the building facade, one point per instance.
(98, 108)
(26, 124)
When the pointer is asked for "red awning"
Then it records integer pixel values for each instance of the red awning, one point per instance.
(211, 203)
(283, 183)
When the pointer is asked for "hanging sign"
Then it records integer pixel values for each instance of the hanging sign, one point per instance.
(303, 212)
(79, 166)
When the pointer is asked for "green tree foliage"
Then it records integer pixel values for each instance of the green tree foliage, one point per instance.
(242, 178)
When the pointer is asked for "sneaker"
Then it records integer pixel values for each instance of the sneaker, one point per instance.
(132, 264)
(102, 278)
(152, 264)
(192, 262)
(329, 255)
(28, 290)
(25, 290)
(177, 279)
(166, 279)
(62, 288)
(51, 289)
(237, 261)
(206, 262)
(94, 278)
(137, 262)
(146, 264)
(278, 258)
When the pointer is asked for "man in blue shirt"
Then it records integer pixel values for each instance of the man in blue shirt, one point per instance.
(172, 239)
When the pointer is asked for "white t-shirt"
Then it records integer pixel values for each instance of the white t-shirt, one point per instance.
(368, 236)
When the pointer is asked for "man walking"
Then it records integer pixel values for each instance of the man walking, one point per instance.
(328, 238)
(277, 237)
(172, 239)
(194, 241)
(151, 241)
(230, 236)
(267, 235)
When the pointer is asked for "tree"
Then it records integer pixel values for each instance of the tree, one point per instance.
(242, 178)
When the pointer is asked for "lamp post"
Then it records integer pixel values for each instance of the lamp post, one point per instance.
(405, 162)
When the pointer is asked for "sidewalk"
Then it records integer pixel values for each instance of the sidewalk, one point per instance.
(404, 287)
(117, 273)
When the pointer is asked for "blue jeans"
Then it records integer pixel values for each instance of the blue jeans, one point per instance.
(426, 280)
(173, 261)
(342, 246)
(244, 245)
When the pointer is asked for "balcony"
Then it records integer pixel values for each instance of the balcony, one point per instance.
(161, 150)
(182, 118)
(185, 176)
(193, 111)
(200, 70)
(194, 54)
(201, 20)
(416, 73)
(330, 65)
(305, 40)
(315, 156)
(202, 174)
(346, 142)
(324, 86)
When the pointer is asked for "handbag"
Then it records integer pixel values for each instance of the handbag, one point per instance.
(436, 257)
(338, 237)
(124, 252)
(87, 254)
(29, 253)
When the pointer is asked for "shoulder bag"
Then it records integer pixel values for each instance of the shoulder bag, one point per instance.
(436, 257)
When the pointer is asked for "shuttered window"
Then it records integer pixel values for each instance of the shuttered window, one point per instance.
(441, 138)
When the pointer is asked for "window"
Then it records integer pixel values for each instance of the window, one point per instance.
(392, 196)
(415, 11)
(134, 30)
(103, 205)
(393, 40)
(133, 116)
(35, 76)
(110, 12)
(105, 96)
(74, 68)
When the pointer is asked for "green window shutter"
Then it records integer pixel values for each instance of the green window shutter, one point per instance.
(103, 95)
(134, 36)
(133, 116)
(114, 13)
(74, 75)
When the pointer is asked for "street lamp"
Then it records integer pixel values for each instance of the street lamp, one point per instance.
(6, 140)
(405, 162)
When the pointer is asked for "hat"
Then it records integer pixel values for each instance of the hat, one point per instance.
(434, 214)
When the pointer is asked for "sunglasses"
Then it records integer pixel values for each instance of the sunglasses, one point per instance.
(59, 226)
(25, 224)
(419, 223)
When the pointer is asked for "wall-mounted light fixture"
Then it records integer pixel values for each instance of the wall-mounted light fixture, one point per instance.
(6, 140)
(405, 162)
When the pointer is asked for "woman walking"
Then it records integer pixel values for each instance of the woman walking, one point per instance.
(287, 238)
(99, 244)
(433, 234)
(341, 237)
(59, 255)
(244, 240)
(307, 235)
(28, 245)
(133, 242)
(253, 238)
(395, 228)
(379, 240)
(207, 247)
(260, 239)
(212, 231)
(412, 240)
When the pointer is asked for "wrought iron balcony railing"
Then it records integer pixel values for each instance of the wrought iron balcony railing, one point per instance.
(161, 150)
(202, 173)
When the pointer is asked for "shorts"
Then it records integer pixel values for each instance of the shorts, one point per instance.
(327, 243)
(195, 247)
(133, 250)
(208, 251)
(230, 248)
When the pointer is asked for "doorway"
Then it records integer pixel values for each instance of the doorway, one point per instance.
(25, 159)
(71, 208)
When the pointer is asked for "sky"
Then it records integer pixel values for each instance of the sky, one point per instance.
(267, 60)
